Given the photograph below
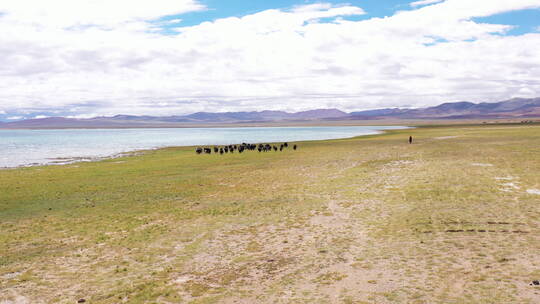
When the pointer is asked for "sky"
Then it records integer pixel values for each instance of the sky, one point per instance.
(87, 58)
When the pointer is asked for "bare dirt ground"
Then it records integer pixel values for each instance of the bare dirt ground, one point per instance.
(453, 218)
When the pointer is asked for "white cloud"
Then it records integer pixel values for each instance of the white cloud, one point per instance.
(15, 118)
(275, 59)
(72, 13)
(425, 2)
(464, 9)
(316, 7)
(174, 21)
(325, 10)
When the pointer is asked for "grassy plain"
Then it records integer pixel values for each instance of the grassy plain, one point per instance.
(452, 218)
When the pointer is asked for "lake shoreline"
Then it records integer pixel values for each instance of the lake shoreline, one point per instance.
(68, 160)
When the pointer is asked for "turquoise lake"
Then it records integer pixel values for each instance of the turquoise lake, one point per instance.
(34, 147)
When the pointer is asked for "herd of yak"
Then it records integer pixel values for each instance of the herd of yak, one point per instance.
(244, 147)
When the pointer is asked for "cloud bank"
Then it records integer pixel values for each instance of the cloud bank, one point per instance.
(424, 2)
(87, 58)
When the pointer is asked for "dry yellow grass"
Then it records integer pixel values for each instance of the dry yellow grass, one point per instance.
(452, 218)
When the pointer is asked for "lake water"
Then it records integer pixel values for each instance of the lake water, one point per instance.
(32, 147)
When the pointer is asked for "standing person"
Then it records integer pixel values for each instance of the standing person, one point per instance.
(410, 139)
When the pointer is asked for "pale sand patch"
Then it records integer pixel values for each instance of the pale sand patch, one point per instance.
(11, 275)
(533, 191)
(511, 185)
(14, 298)
(508, 178)
(445, 137)
(337, 217)
(481, 165)
(183, 279)
(398, 163)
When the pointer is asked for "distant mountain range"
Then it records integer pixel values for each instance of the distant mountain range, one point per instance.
(514, 108)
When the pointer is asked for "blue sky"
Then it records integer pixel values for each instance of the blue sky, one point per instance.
(237, 8)
(85, 58)
(524, 20)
